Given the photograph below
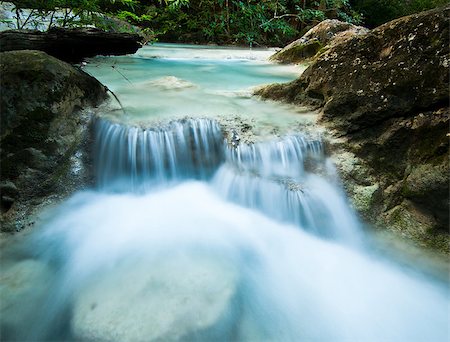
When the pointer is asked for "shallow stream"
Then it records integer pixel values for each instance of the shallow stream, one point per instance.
(215, 217)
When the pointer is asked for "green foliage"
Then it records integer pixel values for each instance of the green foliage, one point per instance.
(74, 12)
(377, 12)
(250, 22)
(177, 3)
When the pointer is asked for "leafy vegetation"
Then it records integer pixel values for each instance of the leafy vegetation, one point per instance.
(249, 22)
(246, 22)
(377, 12)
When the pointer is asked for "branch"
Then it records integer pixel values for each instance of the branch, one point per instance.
(17, 17)
(28, 18)
(112, 66)
(282, 16)
(51, 19)
(67, 12)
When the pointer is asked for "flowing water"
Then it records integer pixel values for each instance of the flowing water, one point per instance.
(192, 234)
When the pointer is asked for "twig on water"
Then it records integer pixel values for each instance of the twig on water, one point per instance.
(113, 66)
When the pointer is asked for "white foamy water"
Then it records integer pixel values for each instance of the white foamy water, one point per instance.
(184, 263)
(185, 51)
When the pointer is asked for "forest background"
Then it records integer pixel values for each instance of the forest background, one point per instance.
(237, 22)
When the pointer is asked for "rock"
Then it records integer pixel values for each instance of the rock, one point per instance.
(8, 193)
(363, 197)
(176, 298)
(71, 45)
(167, 83)
(397, 69)
(42, 128)
(321, 37)
(426, 185)
(412, 223)
(385, 95)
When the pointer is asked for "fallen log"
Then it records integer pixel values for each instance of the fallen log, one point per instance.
(71, 45)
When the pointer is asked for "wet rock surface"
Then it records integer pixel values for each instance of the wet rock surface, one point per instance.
(44, 131)
(385, 97)
(320, 38)
(71, 45)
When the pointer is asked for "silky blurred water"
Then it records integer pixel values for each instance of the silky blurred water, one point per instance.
(188, 237)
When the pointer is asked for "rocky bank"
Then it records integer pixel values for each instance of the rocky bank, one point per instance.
(317, 40)
(385, 98)
(44, 131)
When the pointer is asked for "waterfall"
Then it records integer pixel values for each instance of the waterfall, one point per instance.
(275, 178)
(190, 238)
(314, 205)
(191, 233)
(134, 158)
(271, 176)
(284, 157)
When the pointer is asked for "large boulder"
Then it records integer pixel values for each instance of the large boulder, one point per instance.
(321, 37)
(43, 129)
(397, 69)
(71, 45)
(385, 96)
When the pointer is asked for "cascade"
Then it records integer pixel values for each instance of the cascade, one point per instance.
(186, 237)
(270, 176)
(276, 178)
(132, 158)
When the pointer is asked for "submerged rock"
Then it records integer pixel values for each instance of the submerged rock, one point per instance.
(385, 94)
(43, 129)
(168, 83)
(23, 287)
(177, 298)
(71, 45)
(321, 37)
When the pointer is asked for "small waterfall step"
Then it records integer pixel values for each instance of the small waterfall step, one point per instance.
(132, 158)
(283, 157)
(278, 178)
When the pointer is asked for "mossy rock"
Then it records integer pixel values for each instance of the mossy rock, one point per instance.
(298, 53)
(317, 40)
(364, 198)
(415, 224)
(42, 124)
